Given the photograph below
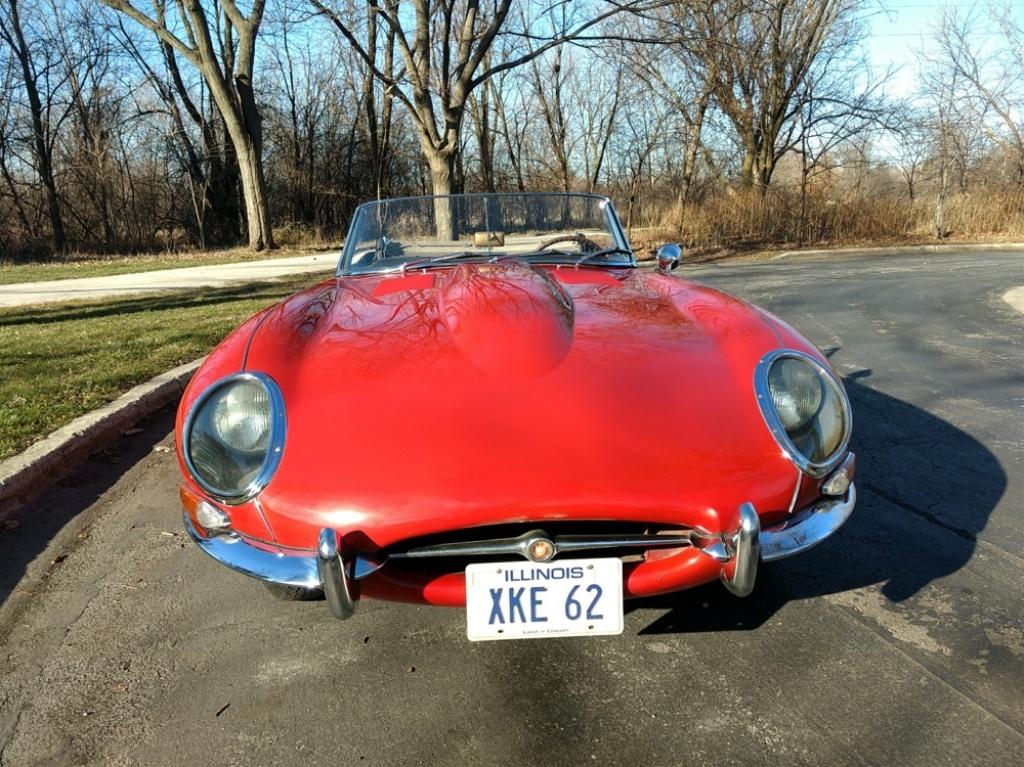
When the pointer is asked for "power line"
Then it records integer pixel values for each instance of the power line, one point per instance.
(937, 7)
(925, 34)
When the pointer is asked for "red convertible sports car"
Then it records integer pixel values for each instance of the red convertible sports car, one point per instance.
(492, 405)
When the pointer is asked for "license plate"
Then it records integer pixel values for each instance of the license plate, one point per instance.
(524, 600)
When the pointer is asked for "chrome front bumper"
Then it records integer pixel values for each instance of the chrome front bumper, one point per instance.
(327, 569)
(807, 528)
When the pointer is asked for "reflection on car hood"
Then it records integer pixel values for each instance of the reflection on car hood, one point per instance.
(488, 393)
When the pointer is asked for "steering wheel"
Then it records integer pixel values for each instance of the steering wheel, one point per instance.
(586, 244)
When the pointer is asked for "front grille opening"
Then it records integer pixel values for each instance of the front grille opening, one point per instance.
(398, 554)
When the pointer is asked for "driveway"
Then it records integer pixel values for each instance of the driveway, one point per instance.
(898, 641)
(215, 275)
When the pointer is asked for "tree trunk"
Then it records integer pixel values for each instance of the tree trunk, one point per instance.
(254, 191)
(747, 169)
(940, 203)
(248, 140)
(765, 165)
(244, 129)
(802, 224)
(441, 173)
(228, 73)
(44, 161)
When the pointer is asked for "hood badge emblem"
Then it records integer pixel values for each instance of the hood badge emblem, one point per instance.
(540, 550)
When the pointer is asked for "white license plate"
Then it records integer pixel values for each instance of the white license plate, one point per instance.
(527, 600)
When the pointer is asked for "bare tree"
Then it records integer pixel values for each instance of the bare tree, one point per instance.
(549, 85)
(228, 73)
(941, 86)
(482, 108)
(678, 59)
(209, 158)
(762, 54)
(13, 33)
(146, 136)
(444, 45)
(514, 115)
(598, 118)
(14, 213)
(910, 151)
(991, 82)
(379, 121)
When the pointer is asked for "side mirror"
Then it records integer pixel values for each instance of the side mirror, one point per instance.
(669, 256)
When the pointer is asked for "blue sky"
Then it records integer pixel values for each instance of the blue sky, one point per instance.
(898, 31)
(901, 30)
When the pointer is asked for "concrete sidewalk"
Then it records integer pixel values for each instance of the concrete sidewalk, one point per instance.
(219, 275)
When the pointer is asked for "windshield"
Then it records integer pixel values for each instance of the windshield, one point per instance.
(421, 231)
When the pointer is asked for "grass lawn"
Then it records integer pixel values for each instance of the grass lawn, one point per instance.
(100, 267)
(59, 361)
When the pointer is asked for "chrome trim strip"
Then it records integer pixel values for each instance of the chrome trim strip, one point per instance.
(366, 565)
(275, 448)
(808, 528)
(717, 550)
(796, 491)
(617, 230)
(334, 575)
(263, 518)
(286, 569)
(771, 418)
(561, 543)
(745, 546)
(615, 223)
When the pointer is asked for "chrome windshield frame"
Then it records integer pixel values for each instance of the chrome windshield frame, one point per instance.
(612, 221)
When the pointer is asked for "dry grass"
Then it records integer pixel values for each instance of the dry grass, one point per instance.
(747, 220)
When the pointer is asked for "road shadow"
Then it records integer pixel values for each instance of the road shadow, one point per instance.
(27, 532)
(926, 490)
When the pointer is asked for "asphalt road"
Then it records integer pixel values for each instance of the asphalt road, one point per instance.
(900, 640)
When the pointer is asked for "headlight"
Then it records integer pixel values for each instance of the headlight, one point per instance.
(234, 436)
(805, 408)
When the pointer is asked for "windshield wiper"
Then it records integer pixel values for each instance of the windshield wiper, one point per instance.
(416, 263)
(613, 251)
(431, 260)
(616, 250)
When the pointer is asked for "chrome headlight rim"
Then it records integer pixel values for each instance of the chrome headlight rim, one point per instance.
(815, 469)
(275, 441)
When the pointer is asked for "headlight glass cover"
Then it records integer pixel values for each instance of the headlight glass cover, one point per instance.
(806, 409)
(234, 436)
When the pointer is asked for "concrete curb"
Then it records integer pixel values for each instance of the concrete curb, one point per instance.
(896, 250)
(1015, 298)
(27, 474)
(878, 250)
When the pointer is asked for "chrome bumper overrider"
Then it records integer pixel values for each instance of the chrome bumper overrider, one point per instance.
(327, 569)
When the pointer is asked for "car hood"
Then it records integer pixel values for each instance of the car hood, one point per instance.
(498, 393)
